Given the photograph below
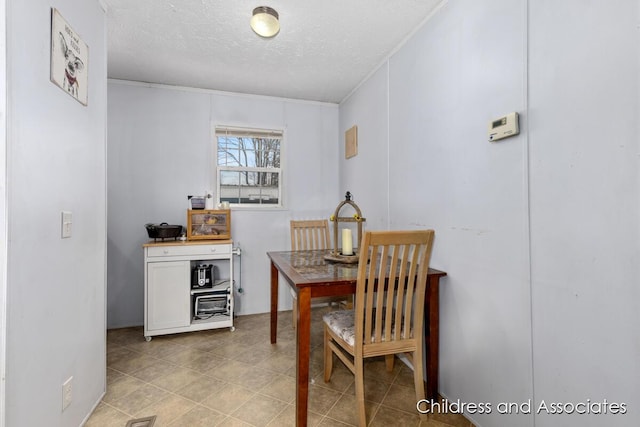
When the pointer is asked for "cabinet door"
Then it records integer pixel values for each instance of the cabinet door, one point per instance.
(168, 297)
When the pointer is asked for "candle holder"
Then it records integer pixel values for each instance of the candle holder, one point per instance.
(336, 255)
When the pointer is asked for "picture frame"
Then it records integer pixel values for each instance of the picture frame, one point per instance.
(351, 142)
(69, 59)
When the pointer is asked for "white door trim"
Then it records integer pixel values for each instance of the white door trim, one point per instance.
(3, 207)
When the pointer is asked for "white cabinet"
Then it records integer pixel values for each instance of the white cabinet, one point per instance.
(169, 297)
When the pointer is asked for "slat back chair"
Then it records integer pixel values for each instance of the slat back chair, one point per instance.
(310, 235)
(388, 315)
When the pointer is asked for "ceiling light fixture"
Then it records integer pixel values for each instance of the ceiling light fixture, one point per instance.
(264, 22)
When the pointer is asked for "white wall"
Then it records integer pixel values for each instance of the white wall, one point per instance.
(160, 150)
(55, 161)
(367, 174)
(539, 232)
(3, 206)
(585, 193)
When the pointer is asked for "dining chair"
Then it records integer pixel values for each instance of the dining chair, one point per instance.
(388, 314)
(310, 235)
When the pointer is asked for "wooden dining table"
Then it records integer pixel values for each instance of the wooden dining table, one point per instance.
(310, 275)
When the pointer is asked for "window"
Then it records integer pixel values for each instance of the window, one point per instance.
(248, 169)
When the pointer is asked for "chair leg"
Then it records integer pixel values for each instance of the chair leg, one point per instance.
(388, 361)
(328, 357)
(349, 303)
(418, 377)
(359, 374)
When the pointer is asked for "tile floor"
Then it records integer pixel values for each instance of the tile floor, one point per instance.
(224, 378)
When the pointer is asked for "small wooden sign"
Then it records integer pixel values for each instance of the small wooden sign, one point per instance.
(351, 142)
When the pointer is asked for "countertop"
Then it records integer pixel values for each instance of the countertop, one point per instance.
(169, 242)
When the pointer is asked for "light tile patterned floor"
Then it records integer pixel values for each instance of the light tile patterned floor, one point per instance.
(224, 378)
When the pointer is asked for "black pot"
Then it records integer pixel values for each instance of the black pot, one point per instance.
(163, 231)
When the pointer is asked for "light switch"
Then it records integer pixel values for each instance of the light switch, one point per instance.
(66, 224)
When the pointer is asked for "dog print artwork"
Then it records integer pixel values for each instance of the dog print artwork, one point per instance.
(69, 56)
(73, 67)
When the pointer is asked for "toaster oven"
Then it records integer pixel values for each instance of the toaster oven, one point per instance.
(209, 304)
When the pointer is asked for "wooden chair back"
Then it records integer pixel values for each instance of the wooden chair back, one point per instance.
(392, 277)
(310, 234)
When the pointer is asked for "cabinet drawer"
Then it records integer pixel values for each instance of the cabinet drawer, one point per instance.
(188, 250)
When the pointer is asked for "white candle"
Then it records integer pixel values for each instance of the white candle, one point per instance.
(347, 242)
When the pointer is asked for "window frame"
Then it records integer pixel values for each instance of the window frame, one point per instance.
(274, 132)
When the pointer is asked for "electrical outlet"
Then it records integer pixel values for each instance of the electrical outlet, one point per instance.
(67, 393)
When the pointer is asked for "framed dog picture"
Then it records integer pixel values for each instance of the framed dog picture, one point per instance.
(69, 59)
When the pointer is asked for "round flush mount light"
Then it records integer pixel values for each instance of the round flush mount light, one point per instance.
(264, 22)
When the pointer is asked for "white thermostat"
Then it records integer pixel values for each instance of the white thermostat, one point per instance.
(503, 127)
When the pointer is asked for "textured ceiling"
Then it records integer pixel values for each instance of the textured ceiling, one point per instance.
(325, 48)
